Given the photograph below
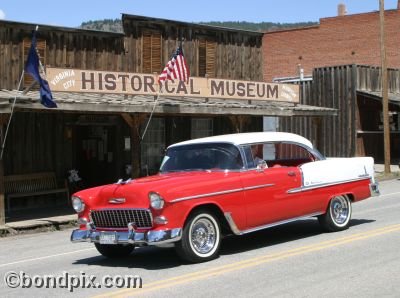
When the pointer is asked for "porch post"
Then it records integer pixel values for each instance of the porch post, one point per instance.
(3, 120)
(2, 196)
(134, 121)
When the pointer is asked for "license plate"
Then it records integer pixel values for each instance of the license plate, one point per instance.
(108, 238)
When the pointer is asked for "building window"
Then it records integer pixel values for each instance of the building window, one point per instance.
(153, 145)
(41, 49)
(207, 49)
(201, 127)
(151, 52)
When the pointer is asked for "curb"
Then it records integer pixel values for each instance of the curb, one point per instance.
(383, 177)
(34, 226)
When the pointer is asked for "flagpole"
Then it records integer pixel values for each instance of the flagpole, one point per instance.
(12, 112)
(169, 73)
(151, 114)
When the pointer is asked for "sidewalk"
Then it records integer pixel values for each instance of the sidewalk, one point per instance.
(39, 220)
(380, 172)
(67, 217)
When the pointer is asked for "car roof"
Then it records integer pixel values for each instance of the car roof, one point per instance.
(250, 138)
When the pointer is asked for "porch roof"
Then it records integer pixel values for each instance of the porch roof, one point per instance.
(117, 103)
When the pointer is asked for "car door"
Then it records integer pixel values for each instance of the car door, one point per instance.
(267, 195)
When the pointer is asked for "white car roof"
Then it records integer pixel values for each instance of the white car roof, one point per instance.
(250, 138)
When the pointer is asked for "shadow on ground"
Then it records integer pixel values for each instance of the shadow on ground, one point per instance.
(155, 258)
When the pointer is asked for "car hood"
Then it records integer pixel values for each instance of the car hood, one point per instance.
(170, 186)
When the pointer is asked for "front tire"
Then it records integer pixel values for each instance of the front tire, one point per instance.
(201, 237)
(338, 214)
(114, 251)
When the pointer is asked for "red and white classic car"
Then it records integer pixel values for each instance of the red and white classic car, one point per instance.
(215, 186)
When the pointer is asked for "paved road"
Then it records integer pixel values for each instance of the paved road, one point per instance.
(295, 260)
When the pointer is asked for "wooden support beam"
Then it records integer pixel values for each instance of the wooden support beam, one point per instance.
(134, 121)
(2, 196)
(3, 120)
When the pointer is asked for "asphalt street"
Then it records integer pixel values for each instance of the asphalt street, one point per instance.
(292, 260)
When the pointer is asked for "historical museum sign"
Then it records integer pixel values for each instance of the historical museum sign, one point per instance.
(77, 80)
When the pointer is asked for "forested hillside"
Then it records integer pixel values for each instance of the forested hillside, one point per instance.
(116, 25)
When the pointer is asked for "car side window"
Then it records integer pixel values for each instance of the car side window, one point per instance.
(276, 154)
(255, 155)
(290, 154)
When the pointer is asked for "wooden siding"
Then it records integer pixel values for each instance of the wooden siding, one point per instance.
(229, 54)
(64, 47)
(369, 79)
(332, 87)
(336, 87)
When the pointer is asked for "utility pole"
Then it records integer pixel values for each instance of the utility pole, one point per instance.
(385, 101)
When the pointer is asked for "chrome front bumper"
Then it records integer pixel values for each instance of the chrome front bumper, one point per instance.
(374, 188)
(129, 237)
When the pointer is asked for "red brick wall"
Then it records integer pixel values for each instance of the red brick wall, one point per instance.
(335, 41)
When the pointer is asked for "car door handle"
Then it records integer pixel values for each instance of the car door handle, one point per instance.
(291, 174)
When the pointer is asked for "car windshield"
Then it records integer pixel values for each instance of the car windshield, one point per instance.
(208, 156)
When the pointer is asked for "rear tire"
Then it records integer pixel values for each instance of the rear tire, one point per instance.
(201, 237)
(114, 251)
(338, 214)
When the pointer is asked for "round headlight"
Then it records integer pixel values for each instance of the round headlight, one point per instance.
(77, 204)
(156, 201)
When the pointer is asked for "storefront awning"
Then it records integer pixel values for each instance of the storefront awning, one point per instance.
(394, 98)
(117, 103)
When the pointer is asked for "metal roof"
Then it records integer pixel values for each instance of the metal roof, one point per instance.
(394, 98)
(119, 103)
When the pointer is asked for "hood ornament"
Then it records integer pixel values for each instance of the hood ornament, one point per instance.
(117, 200)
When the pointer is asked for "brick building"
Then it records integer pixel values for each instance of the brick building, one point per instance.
(344, 39)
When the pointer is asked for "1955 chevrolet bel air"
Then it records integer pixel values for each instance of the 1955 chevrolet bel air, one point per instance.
(215, 186)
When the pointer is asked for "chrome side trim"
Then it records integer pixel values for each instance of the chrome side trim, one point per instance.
(218, 193)
(322, 185)
(232, 224)
(236, 231)
(258, 186)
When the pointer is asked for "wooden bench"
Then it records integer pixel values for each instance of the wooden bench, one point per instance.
(28, 185)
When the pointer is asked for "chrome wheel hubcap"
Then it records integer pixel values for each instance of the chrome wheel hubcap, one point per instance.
(340, 209)
(203, 236)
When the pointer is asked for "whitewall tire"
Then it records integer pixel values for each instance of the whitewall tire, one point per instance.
(201, 237)
(338, 214)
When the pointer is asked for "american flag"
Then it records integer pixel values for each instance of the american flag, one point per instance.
(176, 68)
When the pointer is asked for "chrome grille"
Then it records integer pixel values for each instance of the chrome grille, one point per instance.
(119, 218)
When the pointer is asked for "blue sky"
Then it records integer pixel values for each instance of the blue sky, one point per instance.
(72, 13)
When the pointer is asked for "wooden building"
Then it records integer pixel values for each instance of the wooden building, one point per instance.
(357, 130)
(99, 134)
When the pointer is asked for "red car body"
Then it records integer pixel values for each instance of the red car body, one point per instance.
(206, 203)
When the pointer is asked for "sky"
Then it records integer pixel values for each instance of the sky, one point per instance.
(72, 13)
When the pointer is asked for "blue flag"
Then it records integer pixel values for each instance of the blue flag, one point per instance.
(32, 67)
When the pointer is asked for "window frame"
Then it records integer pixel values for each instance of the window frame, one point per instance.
(208, 42)
(41, 48)
(153, 68)
(251, 165)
